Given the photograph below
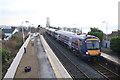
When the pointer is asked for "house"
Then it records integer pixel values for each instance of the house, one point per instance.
(113, 34)
(8, 31)
(106, 43)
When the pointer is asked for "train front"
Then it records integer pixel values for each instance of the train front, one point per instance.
(93, 49)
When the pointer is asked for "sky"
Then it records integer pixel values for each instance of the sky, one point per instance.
(63, 13)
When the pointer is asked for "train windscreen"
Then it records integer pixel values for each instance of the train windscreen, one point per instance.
(93, 44)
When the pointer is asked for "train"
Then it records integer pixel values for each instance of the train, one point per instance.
(86, 46)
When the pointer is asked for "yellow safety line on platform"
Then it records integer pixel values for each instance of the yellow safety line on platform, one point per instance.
(51, 57)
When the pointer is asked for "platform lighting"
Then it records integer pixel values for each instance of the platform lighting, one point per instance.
(31, 25)
(106, 28)
(23, 30)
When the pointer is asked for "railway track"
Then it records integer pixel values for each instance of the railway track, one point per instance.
(75, 71)
(107, 73)
(109, 64)
(71, 67)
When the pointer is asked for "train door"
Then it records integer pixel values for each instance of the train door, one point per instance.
(80, 45)
(57, 36)
(70, 42)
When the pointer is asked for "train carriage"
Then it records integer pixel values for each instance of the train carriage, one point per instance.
(64, 36)
(85, 46)
(51, 31)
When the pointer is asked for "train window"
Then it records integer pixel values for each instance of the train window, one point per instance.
(55, 33)
(60, 37)
(74, 42)
(80, 43)
(66, 39)
(93, 44)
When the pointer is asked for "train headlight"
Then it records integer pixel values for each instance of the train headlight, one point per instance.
(87, 52)
(99, 53)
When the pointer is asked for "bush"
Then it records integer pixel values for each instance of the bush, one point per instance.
(115, 44)
(97, 34)
(16, 37)
(9, 50)
(5, 55)
(26, 37)
(11, 45)
(18, 46)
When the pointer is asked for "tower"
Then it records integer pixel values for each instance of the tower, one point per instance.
(48, 22)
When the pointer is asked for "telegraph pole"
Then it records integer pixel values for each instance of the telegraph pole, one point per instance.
(23, 32)
(106, 28)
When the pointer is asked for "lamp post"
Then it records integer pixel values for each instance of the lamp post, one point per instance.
(23, 31)
(31, 27)
(106, 28)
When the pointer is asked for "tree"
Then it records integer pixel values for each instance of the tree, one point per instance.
(115, 44)
(5, 54)
(96, 32)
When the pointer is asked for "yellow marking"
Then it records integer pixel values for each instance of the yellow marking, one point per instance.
(93, 52)
(92, 39)
(59, 70)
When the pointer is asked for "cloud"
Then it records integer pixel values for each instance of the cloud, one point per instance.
(61, 12)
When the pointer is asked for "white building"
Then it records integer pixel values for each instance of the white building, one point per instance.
(8, 31)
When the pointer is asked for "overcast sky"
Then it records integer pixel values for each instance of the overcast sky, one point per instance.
(66, 13)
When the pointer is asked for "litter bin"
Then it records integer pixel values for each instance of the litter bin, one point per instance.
(27, 69)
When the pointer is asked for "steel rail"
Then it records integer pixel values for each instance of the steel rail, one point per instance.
(105, 72)
(67, 59)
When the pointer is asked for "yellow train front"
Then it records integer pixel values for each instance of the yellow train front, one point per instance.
(89, 47)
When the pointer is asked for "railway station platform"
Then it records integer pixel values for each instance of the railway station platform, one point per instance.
(112, 58)
(42, 60)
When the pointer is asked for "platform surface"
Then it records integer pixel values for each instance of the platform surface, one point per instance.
(36, 58)
(111, 58)
(40, 62)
